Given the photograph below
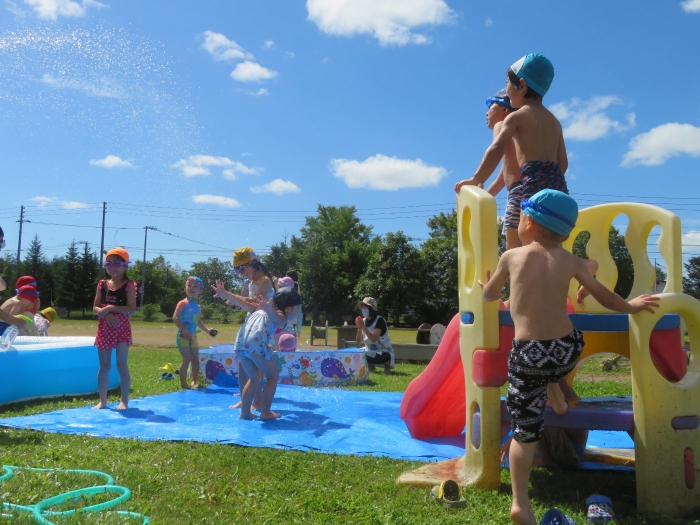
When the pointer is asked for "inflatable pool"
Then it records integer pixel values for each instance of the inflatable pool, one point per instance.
(35, 367)
(323, 367)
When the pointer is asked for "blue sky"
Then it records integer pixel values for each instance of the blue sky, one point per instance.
(226, 123)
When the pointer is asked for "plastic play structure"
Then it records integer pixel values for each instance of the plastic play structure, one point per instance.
(665, 421)
(35, 367)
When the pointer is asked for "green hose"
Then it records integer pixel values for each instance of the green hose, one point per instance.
(38, 511)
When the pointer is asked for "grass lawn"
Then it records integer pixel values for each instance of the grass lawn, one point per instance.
(209, 483)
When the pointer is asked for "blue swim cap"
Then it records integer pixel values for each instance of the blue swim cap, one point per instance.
(197, 280)
(552, 209)
(501, 98)
(536, 70)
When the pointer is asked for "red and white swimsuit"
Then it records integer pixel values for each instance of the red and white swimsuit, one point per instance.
(108, 336)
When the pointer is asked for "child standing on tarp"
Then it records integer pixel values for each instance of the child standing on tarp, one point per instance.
(254, 344)
(115, 300)
(186, 318)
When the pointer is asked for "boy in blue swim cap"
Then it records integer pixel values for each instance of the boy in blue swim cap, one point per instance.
(499, 108)
(546, 346)
(539, 142)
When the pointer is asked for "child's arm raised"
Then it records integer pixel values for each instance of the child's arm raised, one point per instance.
(609, 299)
(494, 284)
(494, 153)
(243, 302)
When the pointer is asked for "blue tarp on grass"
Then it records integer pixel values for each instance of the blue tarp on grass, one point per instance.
(325, 420)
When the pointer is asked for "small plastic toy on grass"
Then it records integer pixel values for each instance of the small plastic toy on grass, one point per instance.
(600, 510)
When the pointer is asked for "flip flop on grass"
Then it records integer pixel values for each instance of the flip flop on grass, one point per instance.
(600, 509)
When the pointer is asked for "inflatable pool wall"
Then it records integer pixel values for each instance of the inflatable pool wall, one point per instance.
(325, 367)
(36, 367)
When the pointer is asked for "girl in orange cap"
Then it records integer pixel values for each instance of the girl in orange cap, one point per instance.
(115, 300)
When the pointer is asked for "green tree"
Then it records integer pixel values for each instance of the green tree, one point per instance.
(333, 249)
(87, 278)
(68, 280)
(620, 254)
(440, 269)
(394, 276)
(9, 271)
(36, 265)
(281, 258)
(163, 285)
(691, 283)
(211, 270)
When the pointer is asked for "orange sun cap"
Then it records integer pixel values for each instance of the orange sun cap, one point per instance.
(119, 252)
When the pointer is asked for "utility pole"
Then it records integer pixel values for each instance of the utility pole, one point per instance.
(102, 243)
(143, 266)
(21, 221)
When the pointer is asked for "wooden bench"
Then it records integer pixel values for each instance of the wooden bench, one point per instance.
(319, 332)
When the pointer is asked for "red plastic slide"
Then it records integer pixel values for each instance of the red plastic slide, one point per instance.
(434, 404)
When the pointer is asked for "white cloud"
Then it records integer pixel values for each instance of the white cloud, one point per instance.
(389, 21)
(111, 161)
(196, 165)
(691, 6)
(387, 173)
(586, 119)
(16, 10)
(219, 200)
(691, 241)
(269, 44)
(262, 92)
(252, 72)
(66, 205)
(656, 146)
(277, 186)
(54, 8)
(221, 48)
(289, 54)
(103, 89)
(488, 22)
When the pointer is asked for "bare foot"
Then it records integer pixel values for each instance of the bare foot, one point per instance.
(237, 405)
(100, 406)
(522, 515)
(122, 406)
(372, 368)
(387, 368)
(237, 394)
(247, 416)
(184, 386)
(255, 406)
(194, 384)
(557, 399)
(269, 415)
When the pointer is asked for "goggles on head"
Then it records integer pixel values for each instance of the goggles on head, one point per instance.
(115, 264)
(527, 203)
(31, 294)
(239, 269)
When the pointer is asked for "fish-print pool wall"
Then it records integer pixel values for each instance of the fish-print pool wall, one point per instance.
(324, 367)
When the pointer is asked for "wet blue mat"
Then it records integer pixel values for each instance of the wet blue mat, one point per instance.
(326, 420)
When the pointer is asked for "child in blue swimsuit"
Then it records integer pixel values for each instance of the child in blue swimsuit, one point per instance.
(186, 318)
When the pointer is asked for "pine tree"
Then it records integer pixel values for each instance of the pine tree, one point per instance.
(87, 278)
(36, 265)
(68, 280)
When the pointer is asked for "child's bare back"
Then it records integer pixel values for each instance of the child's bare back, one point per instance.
(537, 135)
(539, 283)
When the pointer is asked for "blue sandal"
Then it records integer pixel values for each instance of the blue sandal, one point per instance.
(600, 510)
(556, 517)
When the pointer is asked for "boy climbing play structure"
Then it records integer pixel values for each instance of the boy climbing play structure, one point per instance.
(665, 422)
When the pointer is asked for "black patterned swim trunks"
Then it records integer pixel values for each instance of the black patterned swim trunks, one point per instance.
(532, 365)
